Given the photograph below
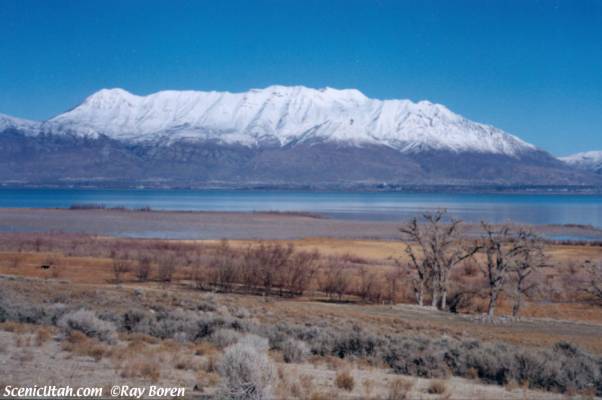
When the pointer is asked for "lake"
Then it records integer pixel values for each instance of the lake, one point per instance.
(383, 206)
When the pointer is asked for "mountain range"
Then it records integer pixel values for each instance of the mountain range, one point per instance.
(278, 136)
(587, 161)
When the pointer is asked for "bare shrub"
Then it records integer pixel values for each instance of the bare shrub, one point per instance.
(15, 261)
(344, 380)
(294, 351)
(399, 389)
(265, 265)
(437, 387)
(80, 344)
(142, 368)
(593, 282)
(224, 267)
(370, 287)
(394, 290)
(120, 268)
(43, 334)
(419, 356)
(143, 268)
(167, 267)
(202, 276)
(247, 373)
(223, 338)
(257, 342)
(336, 278)
(87, 322)
(299, 272)
(37, 244)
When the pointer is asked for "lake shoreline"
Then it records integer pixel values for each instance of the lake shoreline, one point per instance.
(584, 190)
(498, 208)
(207, 225)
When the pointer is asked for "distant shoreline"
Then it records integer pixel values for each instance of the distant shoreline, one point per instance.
(193, 225)
(384, 188)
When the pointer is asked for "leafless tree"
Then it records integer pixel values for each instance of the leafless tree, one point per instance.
(392, 283)
(224, 267)
(439, 250)
(336, 278)
(265, 265)
(167, 267)
(503, 248)
(120, 267)
(143, 268)
(530, 259)
(15, 260)
(38, 244)
(369, 285)
(593, 284)
(424, 271)
(302, 267)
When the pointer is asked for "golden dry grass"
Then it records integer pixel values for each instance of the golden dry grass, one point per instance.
(97, 271)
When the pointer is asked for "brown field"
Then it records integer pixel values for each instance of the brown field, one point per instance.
(81, 274)
(376, 254)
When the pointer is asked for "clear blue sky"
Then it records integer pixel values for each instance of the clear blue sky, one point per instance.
(532, 68)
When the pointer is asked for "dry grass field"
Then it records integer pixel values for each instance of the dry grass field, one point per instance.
(76, 311)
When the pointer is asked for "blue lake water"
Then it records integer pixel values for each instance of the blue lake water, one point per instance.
(519, 208)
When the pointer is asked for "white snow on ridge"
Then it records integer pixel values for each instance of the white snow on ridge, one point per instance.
(7, 122)
(281, 115)
(589, 160)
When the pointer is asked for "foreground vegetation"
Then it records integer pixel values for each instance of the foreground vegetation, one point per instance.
(271, 310)
(259, 340)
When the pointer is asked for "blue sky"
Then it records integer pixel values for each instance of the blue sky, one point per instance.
(532, 68)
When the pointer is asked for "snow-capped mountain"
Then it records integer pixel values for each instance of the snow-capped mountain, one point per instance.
(8, 122)
(588, 161)
(282, 115)
(275, 137)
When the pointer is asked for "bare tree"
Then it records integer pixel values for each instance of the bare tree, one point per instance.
(302, 267)
(336, 279)
(453, 253)
(143, 268)
(503, 248)
(37, 244)
(224, 267)
(440, 249)
(167, 267)
(120, 267)
(424, 272)
(265, 265)
(392, 283)
(530, 259)
(593, 284)
(369, 285)
(15, 260)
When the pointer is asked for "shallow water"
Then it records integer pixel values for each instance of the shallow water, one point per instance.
(519, 208)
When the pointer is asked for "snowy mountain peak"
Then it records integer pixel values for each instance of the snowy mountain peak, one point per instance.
(282, 115)
(8, 122)
(589, 160)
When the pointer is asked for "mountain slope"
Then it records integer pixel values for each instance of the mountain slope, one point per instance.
(282, 115)
(278, 136)
(587, 161)
(8, 122)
